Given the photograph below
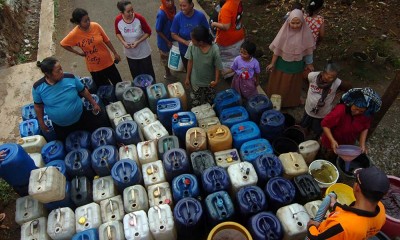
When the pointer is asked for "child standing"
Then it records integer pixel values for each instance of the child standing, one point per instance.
(315, 21)
(204, 66)
(247, 70)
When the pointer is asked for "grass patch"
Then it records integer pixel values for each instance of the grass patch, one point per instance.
(6, 192)
(22, 58)
(56, 8)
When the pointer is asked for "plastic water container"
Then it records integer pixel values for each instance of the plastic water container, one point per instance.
(251, 200)
(176, 90)
(295, 133)
(45, 185)
(225, 99)
(136, 226)
(242, 174)
(294, 228)
(144, 117)
(126, 173)
(161, 222)
(219, 138)
(77, 140)
(196, 140)
(147, 151)
(111, 230)
(293, 164)
(272, 124)
(154, 131)
(251, 150)
(203, 111)
(312, 208)
(28, 209)
(120, 89)
(208, 122)
(90, 234)
(244, 132)
(267, 166)
(78, 163)
(227, 157)
(28, 112)
(184, 186)
(103, 159)
(128, 132)
(118, 120)
(256, 105)
(188, 215)
(135, 199)
(61, 224)
(134, 99)
(65, 202)
(87, 216)
(103, 188)
(37, 159)
(51, 134)
(215, 179)
(112, 209)
(166, 108)
(160, 194)
(156, 92)
(35, 229)
(219, 207)
(89, 84)
(32, 144)
(201, 160)
(107, 94)
(115, 109)
(81, 191)
(97, 120)
(233, 115)
(265, 226)
(181, 122)
(52, 151)
(143, 81)
(103, 136)
(129, 152)
(166, 143)
(307, 188)
(309, 150)
(29, 127)
(175, 163)
(280, 192)
(276, 101)
(153, 173)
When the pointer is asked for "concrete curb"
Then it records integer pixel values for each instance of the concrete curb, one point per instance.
(46, 46)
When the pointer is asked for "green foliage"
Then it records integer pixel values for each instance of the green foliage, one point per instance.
(6, 192)
(22, 58)
(381, 47)
(395, 62)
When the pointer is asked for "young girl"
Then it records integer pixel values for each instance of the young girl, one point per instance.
(315, 21)
(204, 66)
(247, 70)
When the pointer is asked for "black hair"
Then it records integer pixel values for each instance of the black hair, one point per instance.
(122, 4)
(47, 65)
(202, 34)
(77, 15)
(190, 1)
(331, 67)
(313, 6)
(372, 196)
(249, 47)
(297, 5)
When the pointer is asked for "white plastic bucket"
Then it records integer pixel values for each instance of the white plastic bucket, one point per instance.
(174, 58)
(327, 169)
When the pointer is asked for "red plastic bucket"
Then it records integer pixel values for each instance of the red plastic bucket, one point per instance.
(392, 225)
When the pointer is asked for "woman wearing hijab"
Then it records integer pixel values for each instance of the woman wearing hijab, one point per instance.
(293, 47)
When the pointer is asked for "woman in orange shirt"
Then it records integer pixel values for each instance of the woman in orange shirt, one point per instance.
(95, 46)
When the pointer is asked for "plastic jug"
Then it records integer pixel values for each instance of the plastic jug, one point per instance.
(312, 208)
(87, 216)
(201, 160)
(156, 92)
(215, 179)
(244, 132)
(272, 124)
(45, 185)
(256, 105)
(29, 127)
(28, 209)
(120, 89)
(115, 109)
(225, 99)
(89, 84)
(154, 131)
(52, 151)
(196, 140)
(166, 108)
(37, 159)
(227, 157)
(78, 163)
(293, 164)
(112, 209)
(265, 226)
(161, 222)
(77, 140)
(280, 192)
(309, 150)
(181, 122)
(96, 119)
(159, 194)
(90, 234)
(252, 149)
(219, 138)
(66, 202)
(153, 173)
(166, 143)
(294, 228)
(144, 117)
(32, 144)
(184, 186)
(136, 226)
(28, 112)
(208, 122)
(128, 132)
(267, 166)
(81, 191)
(251, 200)
(129, 152)
(126, 173)
(35, 229)
(103, 136)
(61, 224)
(242, 174)
(111, 230)
(307, 188)
(147, 151)
(276, 101)
(134, 99)
(135, 199)
(107, 94)
(203, 111)
(143, 81)
(188, 215)
(219, 207)
(176, 90)
(51, 134)
(103, 188)
(233, 115)
(175, 163)
(118, 120)
(103, 159)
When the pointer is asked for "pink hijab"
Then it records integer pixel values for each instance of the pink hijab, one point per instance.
(293, 45)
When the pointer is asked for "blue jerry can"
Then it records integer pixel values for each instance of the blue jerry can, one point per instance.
(244, 132)
(29, 127)
(249, 151)
(188, 215)
(181, 122)
(128, 133)
(53, 150)
(233, 115)
(280, 192)
(272, 124)
(28, 112)
(103, 159)
(77, 140)
(90, 234)
(175, 163)
(60, 165)
(143, 81)
(156, 92)
(126, 173)
(215, 179)
(165, 109)
(78, 163)
(185, 185)
(219, 207)
(251, 200)
(95, 120)
(225, 99)
(265, 226)
(267, 166)
(103, 136)
(51, 134)
(256, 105)
(167, 143)
(107, 94)
(89, 84)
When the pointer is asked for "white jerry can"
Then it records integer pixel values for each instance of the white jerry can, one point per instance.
(135, 199)
(154, 131)
(153, 173)
(293, 164)
(208, 122)
(160, 194)
(103, 188)
(113, 230)
(38, 159)
(242, 174)
(176, 90)
(87, 216)
(61, 224)
(161, 222)
(294, 219)
(136, 226)
(312, 208)
(32, 144)
(203, 111)
(129, 152)
(144, 117)
(147, 151)
(117, 120)
(35, 229)
(47, 184)
(226, 158)
(115, 110)
(309, 150)
(27, 209)
(112, 209)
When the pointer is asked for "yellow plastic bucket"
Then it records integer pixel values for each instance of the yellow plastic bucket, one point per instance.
(229, 231)
(344, 193)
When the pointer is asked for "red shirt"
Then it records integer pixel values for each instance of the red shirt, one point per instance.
(345, 128)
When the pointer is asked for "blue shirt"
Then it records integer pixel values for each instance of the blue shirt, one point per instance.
(163, 24)
(61, 101)
(183, 26)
